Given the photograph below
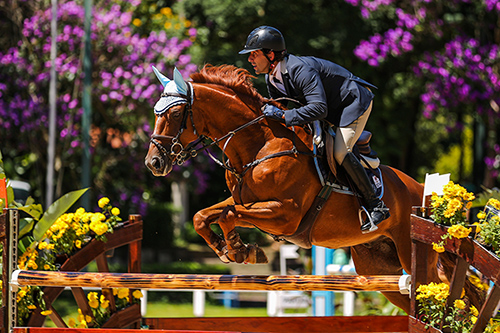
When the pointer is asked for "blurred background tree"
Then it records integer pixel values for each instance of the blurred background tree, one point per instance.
(435, 63)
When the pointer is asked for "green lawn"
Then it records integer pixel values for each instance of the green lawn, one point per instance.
(159, 310)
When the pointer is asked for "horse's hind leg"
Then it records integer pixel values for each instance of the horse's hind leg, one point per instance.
(380, 258)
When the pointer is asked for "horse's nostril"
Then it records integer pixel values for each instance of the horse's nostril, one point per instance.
(156, 163)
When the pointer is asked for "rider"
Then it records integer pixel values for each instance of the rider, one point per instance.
(327, 91)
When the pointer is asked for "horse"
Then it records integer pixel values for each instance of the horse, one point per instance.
(272, 180)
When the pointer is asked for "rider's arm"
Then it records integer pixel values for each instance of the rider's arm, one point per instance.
(307, 80)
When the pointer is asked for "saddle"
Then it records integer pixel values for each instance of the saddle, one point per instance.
(333, 178)
(323, 139)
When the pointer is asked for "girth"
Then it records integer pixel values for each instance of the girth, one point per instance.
(302, 236)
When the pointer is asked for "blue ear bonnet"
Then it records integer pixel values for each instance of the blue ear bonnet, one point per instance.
(173, 92)
(166, 102)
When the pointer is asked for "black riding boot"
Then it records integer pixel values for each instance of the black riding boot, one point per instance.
(377, 211)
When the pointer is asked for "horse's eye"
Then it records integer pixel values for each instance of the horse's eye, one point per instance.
(176, 114)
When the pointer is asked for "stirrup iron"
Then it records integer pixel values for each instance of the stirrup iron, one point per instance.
(373, 226)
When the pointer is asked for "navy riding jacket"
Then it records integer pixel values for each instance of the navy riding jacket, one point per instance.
(327, 91)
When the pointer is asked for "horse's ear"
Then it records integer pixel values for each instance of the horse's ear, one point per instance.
(163, 79)
(179, 82)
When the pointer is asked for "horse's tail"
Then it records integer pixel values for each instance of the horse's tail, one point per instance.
(447, 262)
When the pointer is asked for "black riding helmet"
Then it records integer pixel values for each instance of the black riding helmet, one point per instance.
(264, 37)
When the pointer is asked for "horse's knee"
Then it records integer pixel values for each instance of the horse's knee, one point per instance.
(200, 224)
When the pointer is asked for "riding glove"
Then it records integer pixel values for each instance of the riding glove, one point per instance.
(274, 112)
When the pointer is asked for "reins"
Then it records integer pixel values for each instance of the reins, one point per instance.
(181, 154)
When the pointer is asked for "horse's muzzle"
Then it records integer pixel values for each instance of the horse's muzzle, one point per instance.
(158, 165)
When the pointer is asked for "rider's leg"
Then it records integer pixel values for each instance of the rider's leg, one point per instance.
(345, 139)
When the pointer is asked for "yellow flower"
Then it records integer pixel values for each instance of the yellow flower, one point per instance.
(88, 318)
(78, 244)
(94, 304)
(137, 22)
(115, 211)
(459, 231)
(454, 204)
(104, 302)
(46, 312)
(42, 245)
(93, 300)
(473, 319)
(166, 11)
(123, 292)
(98, 217)
(80, 317)
(103, 202)
(474, 311)
(437, 247)
(46, 267)
(137, 294)
(481, 215)
(22, 293)
(71, 322)
(32, 307)
(493, 202)
(459, 304)
(438, 291)
(99, 228)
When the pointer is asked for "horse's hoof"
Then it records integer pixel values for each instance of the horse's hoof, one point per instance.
(224, 259)
(223, 255)
(256, 255)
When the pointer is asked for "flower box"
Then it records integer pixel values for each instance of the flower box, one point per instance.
(425, 231)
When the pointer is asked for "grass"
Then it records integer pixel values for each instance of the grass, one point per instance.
(161, 306)
(159, 310)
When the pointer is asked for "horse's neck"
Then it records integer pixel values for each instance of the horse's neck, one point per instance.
(225, 113)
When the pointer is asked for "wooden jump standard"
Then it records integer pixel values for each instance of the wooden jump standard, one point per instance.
(213, 282)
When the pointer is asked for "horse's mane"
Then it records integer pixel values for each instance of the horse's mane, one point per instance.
(237, 79)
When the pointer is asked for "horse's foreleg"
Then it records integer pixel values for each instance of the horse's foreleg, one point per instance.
(270, 216)
(202, 221)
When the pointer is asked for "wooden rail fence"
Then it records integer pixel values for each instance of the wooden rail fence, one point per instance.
(210, 282)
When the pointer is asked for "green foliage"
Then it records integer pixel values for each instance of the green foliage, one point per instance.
(483, 197)
(59, 207)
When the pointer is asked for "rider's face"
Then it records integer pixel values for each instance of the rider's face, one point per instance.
(259, 62)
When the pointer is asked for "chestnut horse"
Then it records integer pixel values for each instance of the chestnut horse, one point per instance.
(272, 184)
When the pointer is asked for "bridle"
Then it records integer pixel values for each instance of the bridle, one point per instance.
(177, 152)
(180, 154)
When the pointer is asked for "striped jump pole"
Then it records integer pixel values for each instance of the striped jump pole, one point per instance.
(213, 282)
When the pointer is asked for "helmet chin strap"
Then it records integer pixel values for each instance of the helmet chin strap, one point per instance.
(272, 63)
